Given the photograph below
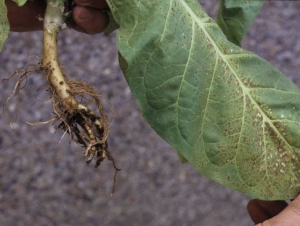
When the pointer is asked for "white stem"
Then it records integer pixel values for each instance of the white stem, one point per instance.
(53, 22)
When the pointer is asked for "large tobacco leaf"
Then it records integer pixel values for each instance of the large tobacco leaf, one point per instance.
(231, 114)
(235, 17)
(4, 25)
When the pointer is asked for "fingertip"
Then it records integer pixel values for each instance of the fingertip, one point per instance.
(289, 216)
(256, 213)
(297, 198)
(294, 206)
(89, 20)
(272, 208)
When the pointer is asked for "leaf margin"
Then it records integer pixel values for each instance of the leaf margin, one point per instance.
(126, 63)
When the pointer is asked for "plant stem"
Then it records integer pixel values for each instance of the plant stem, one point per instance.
(86, 128)
(72, 113)
(53, 22)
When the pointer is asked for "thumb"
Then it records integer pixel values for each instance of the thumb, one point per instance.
(290, 216)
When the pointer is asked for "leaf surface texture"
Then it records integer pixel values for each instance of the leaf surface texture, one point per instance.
(235, 17)
(231, 114)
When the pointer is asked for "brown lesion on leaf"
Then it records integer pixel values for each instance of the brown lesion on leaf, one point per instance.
(283, 160)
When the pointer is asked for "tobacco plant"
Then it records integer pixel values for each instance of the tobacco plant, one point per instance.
(225, 110)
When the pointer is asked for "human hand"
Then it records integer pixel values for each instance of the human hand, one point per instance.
(87, 16)
(274, 213)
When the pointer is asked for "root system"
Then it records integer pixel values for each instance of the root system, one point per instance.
(88, 128)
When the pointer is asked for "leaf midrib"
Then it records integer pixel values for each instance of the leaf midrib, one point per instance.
(244, 88)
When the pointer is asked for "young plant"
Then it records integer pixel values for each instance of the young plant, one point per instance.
(229, 113)
(84, 126)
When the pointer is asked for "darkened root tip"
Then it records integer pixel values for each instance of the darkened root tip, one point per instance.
(89, 131)
(86, 128)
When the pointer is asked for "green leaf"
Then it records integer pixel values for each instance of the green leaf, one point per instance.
(231, 114)
(4, 25)
(20, 2)
(112, 26)
(235, 17)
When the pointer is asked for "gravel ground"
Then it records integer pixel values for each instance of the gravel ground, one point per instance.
(43, 178)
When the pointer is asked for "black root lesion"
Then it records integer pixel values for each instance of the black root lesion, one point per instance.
(88, 129)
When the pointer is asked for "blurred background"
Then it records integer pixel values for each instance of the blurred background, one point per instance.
(43, 177)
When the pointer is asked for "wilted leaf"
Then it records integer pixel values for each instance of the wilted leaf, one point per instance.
(228, 112)
(235, 17)
(4, 25)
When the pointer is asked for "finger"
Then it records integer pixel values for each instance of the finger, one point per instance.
(272, 208)
(260, 211)
(256, 212)
(290, 216)
(97, 4)
(89, 20)
(25, 18)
